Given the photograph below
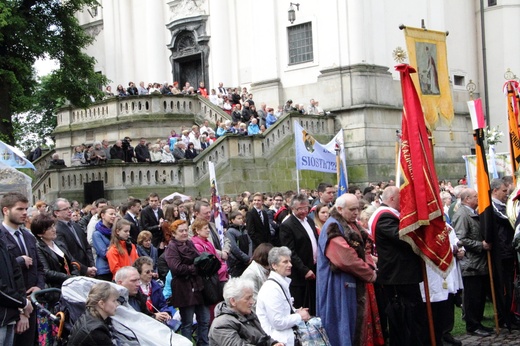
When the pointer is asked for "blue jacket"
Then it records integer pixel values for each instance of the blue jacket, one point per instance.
(270, 120)
(253, 129)
(101, 244)
(157, 297)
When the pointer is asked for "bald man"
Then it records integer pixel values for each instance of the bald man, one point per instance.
(399, 272)
(343, 271)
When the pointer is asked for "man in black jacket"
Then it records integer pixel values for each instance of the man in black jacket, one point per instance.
(73, 237)
(21, 244)
(152, 218)
(502, 252)
(134, 208)
(257, 222)
(399, 271)
(141, 151)
(299, 234)
(15, 308)
(117, 152)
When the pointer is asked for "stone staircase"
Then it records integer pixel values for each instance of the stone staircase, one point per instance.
(254, 163)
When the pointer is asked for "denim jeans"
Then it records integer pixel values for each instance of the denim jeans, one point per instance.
(202, 313)
(7, 335)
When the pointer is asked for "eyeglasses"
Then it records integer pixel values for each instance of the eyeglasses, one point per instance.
(148, 271)
(278, 200)
(63, 209)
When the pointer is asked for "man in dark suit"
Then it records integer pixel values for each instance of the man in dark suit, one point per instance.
(141, 151)
(299, 234)
(133, 210)
(22, 245)
(257, 222)
(74, 238)
(152, 217)
(13, 297)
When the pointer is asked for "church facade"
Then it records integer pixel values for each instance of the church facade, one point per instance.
(338, 52)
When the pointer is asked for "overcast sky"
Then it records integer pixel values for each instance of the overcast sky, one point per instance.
(44, 67)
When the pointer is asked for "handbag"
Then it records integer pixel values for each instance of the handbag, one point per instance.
(211, 293)
(310, 333)
(208, 266)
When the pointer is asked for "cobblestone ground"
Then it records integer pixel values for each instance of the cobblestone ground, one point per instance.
(504, 338)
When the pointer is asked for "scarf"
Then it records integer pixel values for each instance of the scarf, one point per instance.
(107, 232)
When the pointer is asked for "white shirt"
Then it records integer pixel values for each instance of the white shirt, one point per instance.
(310, 233)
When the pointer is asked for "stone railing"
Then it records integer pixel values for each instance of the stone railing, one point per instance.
(116, 107)
(187, 175)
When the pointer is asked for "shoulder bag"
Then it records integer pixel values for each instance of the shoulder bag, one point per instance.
(310, 333)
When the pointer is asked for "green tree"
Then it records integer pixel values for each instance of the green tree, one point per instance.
(33, 127)
(33, 29)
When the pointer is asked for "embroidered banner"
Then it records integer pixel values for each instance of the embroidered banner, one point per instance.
(428, 55)
(421, 220)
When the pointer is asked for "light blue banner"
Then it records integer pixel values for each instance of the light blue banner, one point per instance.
(313, 156)
(13, 157)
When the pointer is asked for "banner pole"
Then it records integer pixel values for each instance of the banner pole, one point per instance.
(428, 304)
(297, 181)
(398, 158)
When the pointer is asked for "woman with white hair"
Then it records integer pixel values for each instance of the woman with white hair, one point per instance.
(274, 307)
(235, 323)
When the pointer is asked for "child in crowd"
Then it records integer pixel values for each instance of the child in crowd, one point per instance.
(121, 252)
(241, 245)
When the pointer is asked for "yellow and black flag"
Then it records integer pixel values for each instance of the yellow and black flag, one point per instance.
(485, 209)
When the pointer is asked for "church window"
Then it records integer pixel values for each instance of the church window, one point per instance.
(300, 43)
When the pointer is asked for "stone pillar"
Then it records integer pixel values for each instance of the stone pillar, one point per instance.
(264, 15)
(221, 51)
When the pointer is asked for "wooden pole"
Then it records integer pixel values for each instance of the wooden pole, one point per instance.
(428, 305)
(493, 297)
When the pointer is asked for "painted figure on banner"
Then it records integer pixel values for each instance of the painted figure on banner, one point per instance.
(427, 67)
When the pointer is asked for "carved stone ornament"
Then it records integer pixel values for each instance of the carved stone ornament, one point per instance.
(94, 30)
(186, 8)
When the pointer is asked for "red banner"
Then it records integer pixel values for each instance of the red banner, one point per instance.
(421, 222)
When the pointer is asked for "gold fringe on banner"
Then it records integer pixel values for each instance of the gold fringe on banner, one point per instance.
(428, 55)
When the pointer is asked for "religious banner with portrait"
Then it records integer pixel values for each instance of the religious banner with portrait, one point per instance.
(428, 55)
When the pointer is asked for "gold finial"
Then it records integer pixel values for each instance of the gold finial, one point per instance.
(399, 55)
(509, 75)
(471, 87)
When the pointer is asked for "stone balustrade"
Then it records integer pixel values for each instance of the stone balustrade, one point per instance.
(191, 177)
(121, 107)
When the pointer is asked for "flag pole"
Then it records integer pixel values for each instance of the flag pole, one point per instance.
(483, 178)
(398, 158)
(338, 163)
(426, 284)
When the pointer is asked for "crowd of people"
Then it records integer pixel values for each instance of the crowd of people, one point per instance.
(247, 119)
(283, 257)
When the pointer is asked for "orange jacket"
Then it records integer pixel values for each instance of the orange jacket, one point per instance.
(117, 261)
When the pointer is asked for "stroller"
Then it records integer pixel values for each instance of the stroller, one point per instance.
(129, 326)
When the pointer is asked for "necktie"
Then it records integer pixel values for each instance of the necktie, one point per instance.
(74, 233)
(18, 235)
(261, 216)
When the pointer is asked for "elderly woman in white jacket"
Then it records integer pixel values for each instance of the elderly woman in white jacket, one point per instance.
(274, 306)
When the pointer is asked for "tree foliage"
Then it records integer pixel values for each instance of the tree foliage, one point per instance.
(33, 29)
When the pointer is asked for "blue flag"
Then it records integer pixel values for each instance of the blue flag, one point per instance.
(342, 184)
(13, 157)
